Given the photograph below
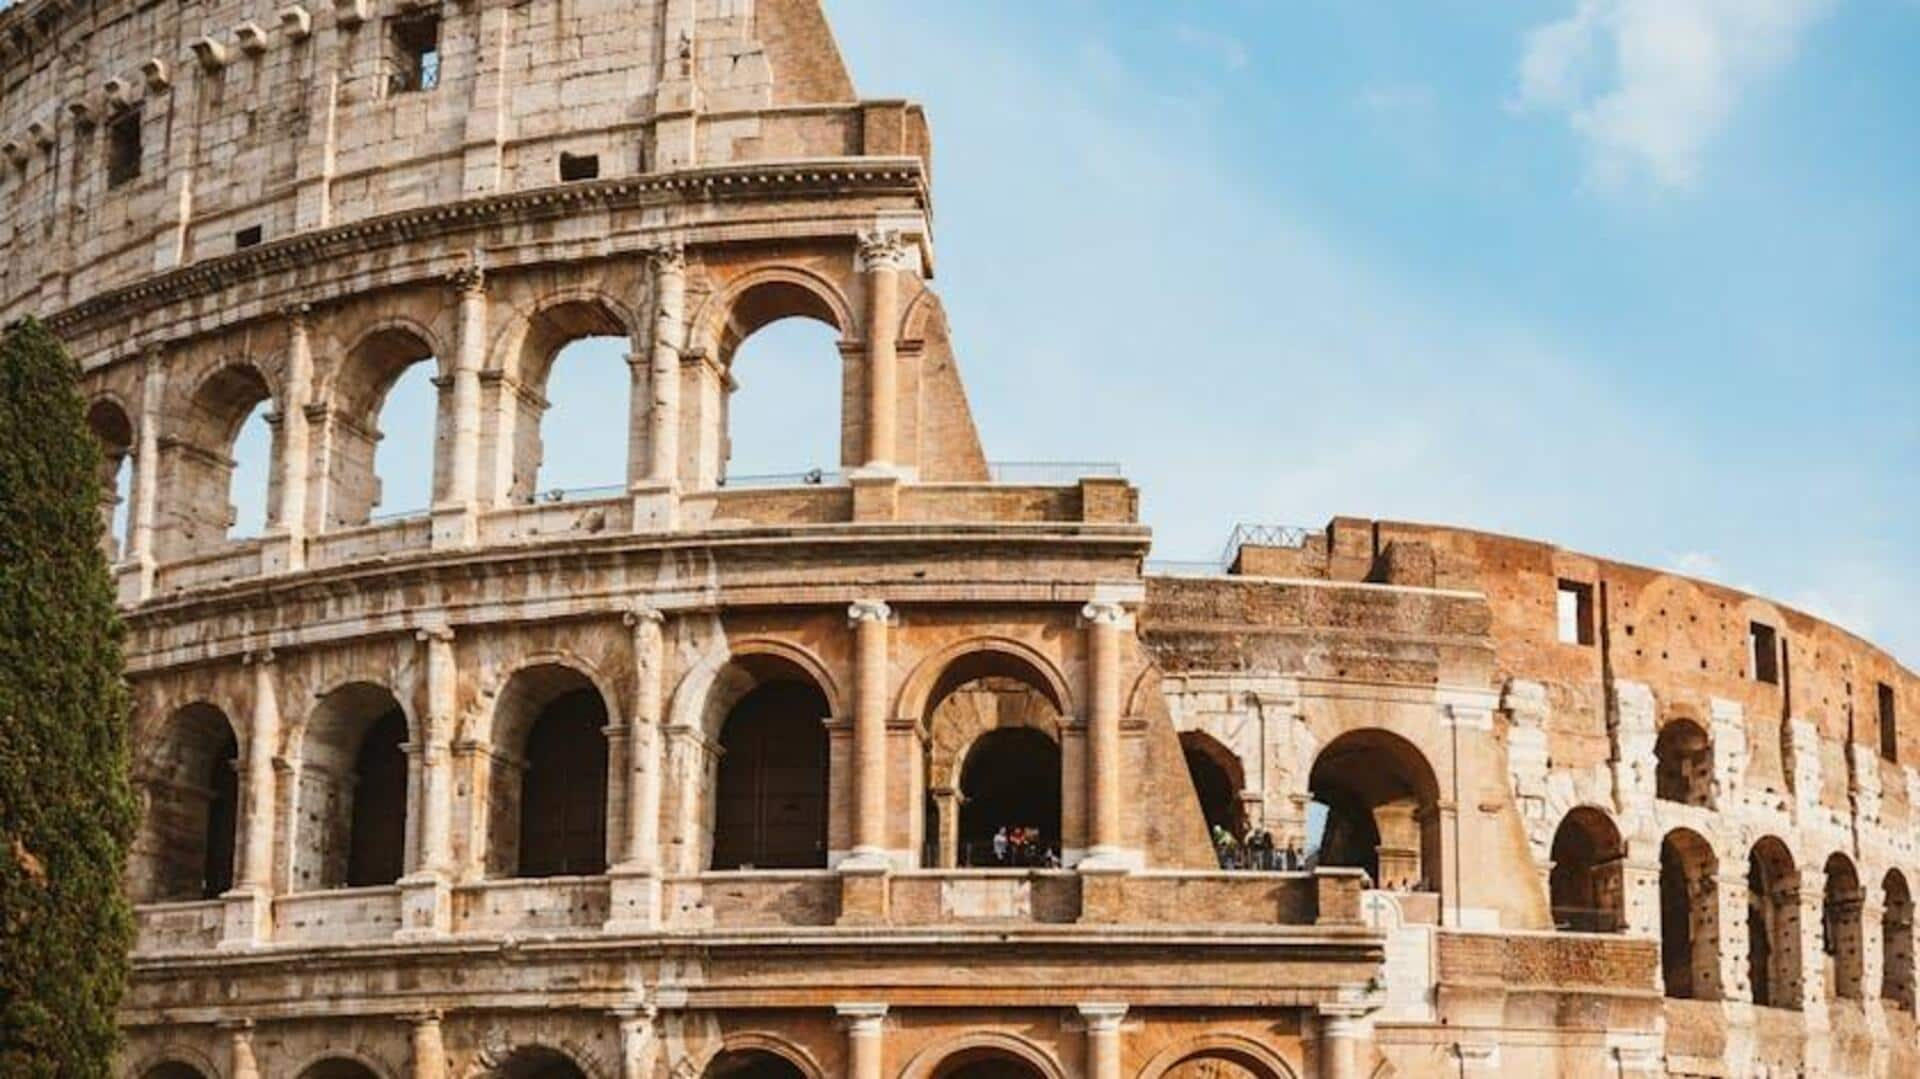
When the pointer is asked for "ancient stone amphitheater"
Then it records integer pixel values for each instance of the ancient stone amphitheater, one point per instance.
(696, 778)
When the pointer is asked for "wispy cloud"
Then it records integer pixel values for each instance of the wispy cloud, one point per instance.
(1647, 84)
(1229, 51)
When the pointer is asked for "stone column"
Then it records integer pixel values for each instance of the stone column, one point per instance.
(946, 803)
(146, 475)
(296, 448)
(240, 1060)
(1342, 1028)
(639, 1049)
(429, 1047)
(866, 1039)
(249, 908)
(636, 878)
(654, 499)
(427, 905)
(1103, 1038)
(883, 254)
(1105, 781)
(870, 619)
(454, 523)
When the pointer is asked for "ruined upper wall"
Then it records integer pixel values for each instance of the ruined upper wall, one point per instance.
(139, 138)
(1689, 641)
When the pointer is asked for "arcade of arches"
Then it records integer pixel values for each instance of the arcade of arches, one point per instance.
(1382, 804)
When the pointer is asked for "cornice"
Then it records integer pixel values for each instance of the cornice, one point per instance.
(859, 175)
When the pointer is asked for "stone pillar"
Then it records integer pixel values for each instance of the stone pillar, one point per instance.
(1105, 774)
(453, 520)
(249, 907)
(429, 1047)
(639, 1048)
(883, 254)
(427, 903)
(146, 477)
(946, 803)
(866, 1039)
(654, 499)
(870, 619)
(240, 1060)
(1342, 1028)
(296, 448)
(1103, 1038)
(636, 877)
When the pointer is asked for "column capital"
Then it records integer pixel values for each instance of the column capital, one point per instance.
(869, 610)
(469, 278)
(297, 313)
(437, 633)
(236, 1026)
(261, 656)
(1102, 1017)
(425, 1017)
(640, 612)
(1101, 612)
(668, 257)
(884, 249)
(862, 1017)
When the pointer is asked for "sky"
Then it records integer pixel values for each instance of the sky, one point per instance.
(1638, 277)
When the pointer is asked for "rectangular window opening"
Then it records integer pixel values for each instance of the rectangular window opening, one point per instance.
(1765, 652)
(1575, 612)
(413, 53)
(247, 237)
(123, 148)
(579, 167)
(1889, 725)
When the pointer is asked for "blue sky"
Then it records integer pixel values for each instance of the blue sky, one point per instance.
(1640, 277)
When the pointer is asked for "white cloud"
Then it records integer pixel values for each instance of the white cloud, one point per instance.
(1647, 84)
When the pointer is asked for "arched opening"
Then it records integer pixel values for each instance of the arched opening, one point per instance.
(1010, 799)
(338, 1068)
(1218, 780)
(992, 767)
(537, 1062)
(752, 1064)
(1773, 925)
(1896, 941)
(114, 432)
(1683, 764)
(353, 791)
(783, 403)
(549, 779)
(1840, 942)
(1586, 889)
(1380, 804)
(218, 475)
(576, 381)
(383, 430)
(186, 846)
(173, 1069)
(770, 791)
(1689, 917)
(986, 1063)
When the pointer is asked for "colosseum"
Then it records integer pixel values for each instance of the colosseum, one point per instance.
(912, 769)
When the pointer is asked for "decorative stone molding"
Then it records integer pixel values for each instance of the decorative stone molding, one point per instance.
(41, 133)
(15, 153)
(884, 249)
(156, 74)
(869, 610)
(471, 277)
(119, 95)
(668, 257)
(252, 39)
(349, 14)
(296, 22)
(862, 1018)
(83, 115)
(1102, 1017)
(1105, 613)
(211, 54)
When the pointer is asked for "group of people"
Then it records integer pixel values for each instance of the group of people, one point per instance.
(1022, 846)
(1256, 850)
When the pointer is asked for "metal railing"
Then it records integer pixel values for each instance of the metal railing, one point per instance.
(1262, 535)
(1049, 472)
(813, 477)
(574, 494)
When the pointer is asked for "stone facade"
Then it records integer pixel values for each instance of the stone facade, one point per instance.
(685, 778)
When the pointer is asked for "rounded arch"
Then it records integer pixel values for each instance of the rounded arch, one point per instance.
(224, 394)
(375, 356)
(353, 779)
(741, 1046)
(936, 675)
(1689, 916)
(528, 682)
(1841, 944)
(174, 1062)
(1246, 1052)
(189, 778)
(763, 296)
(1586, 887)
(931, 1060)
(767, 716)
(1773, 924)
(547, 777)
(1683, 763)
(345, 1064)
(710, 689)
(922, 312)
(1896, 941)
(1382, 801)
(594, 396)
(359, 395)
(537, 1060)
(1009, 788)
(1218, 779)
(525, 345)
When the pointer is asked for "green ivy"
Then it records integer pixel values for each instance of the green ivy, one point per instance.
(66, 805)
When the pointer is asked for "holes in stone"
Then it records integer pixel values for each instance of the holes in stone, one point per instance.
(247, 237)
(574, 167)
(413, 53)
(1765, 648)
(123, 148)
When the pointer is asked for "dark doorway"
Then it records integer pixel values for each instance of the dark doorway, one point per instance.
(377, 848)
(1011, 780)
(753, 1065)
(223, 815)
(563, 811)
(338, 1068)
(771, 798)
(985, 1064)
(538, 1063)
(1216, 779)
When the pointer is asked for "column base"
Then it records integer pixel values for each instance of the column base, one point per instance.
(426, 907)
(282, 553)
(876, 494)
(656, 506)
(246, 918)
(865, 888)
(1108, 860)
(455, 525)
(633, 900)
(133, 580)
